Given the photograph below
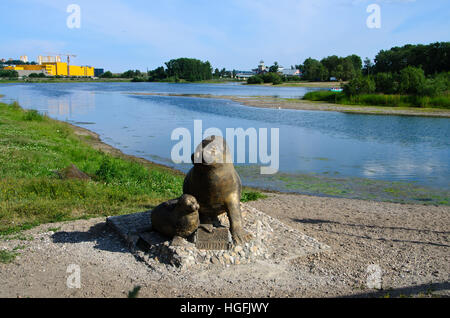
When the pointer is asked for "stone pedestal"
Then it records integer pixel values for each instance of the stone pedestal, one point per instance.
(272, 240)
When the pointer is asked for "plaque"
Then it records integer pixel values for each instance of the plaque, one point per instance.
(217, 239)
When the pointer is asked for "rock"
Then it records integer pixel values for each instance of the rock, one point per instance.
(178, 241)
(72, 172)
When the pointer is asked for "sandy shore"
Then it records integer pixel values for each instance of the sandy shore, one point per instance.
(409, 244)
(286, 103)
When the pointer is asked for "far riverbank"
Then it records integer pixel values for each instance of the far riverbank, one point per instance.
(299, 104)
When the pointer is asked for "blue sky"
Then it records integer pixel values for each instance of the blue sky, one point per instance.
(235, 34)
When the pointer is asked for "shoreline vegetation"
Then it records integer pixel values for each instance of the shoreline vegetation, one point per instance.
(33, 147)
(382, 100)
(407, 76)
(303, 104)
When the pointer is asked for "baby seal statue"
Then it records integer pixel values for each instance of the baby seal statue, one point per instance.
(215, 184)
(177, 217)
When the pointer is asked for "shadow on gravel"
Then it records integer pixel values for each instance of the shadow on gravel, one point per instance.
(103, 237)
(423, 290)
(318, 221)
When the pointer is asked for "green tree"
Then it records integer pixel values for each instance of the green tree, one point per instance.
(412, 80)
(255, 79)
(332, 64)
(386, 83)
(189, 69)
(432, 58)
(313, 70)
(368, 65)
(157, 74)
(107, 74)
(359, 85)
(274, 68)
(9, 73)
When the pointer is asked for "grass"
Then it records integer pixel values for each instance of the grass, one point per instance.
(380, 100)
(248, 195)
(7, 256)
(33, 147)
(135, 292)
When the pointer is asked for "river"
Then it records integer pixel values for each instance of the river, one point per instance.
(330, 145)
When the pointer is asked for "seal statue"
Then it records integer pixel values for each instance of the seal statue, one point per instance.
(215, 184)
(177, 217)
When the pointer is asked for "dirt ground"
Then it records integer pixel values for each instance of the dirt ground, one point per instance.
(408, 243)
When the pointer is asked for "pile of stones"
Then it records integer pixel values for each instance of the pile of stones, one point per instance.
(272, 240)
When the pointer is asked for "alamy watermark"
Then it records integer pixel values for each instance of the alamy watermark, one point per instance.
(374, 19)
(74, 19)
(74, 279)
(374, 277)
(257, 145)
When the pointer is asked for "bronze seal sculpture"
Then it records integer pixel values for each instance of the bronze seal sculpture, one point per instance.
(177, 217)
(215, 184)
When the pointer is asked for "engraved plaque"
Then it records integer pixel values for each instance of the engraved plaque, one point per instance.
(218, 239)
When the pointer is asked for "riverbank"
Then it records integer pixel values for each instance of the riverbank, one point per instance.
(303, 84)
(299, 104)
(382, 100)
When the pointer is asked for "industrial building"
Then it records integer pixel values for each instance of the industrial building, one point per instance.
(52, 66)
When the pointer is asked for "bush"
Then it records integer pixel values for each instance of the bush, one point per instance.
(412, 80)
(433, 87)
(386, 83)
(32, 115)
(256, 79)
(325, 96)
(9, 73)
(273, 78)
(360, 85)
(37, 75)
(107, 74)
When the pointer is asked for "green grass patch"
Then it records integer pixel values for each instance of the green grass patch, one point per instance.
(380, 100)
(7, 256)
(248, 195)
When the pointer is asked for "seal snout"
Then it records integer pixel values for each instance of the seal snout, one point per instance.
(190, 202)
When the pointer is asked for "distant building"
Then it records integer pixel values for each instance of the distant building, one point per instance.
(261, 68)
(289, 72)
(50, 66)
(244, 74)
(98, 72)
(55, 69)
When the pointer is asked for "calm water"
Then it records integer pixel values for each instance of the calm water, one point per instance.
(393, 148)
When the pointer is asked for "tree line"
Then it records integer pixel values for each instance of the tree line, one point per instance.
(182, 69)
(411, 75)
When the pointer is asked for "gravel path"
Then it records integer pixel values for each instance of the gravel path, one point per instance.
(410, 243)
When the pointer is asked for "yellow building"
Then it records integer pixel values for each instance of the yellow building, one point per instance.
(56, 69)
